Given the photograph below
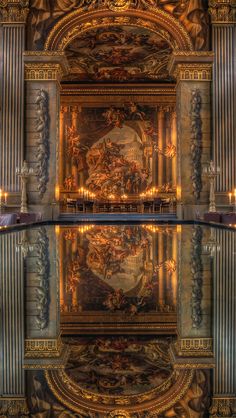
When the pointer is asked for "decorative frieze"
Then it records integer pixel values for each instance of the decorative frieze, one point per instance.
(196, 142)
(191, 65)
(14, 11)
(43, 72)
(43, 348)
(222, 11)
(43, 144)
(191, 347)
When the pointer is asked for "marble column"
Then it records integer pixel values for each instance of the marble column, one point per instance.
(13, 16)
(223, 19)
(193, 72)
(43, 72)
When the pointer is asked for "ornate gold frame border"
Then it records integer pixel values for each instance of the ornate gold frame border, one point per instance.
(79, 21)
(77, 399)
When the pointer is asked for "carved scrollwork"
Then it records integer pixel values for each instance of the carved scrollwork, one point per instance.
(222, 407)
(196, 142)
(43, 145)
(196, 270)
(43, 271)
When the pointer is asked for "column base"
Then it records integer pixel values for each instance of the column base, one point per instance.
(192, 353)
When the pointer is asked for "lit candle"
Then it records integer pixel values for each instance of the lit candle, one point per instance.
(230, 197)
(5, 195)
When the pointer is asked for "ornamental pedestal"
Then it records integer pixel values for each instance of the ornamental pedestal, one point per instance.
(43, 72)
(193, 71)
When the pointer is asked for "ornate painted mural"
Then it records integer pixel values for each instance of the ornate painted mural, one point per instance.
(118, 54)
(113, 150)
(191, 14)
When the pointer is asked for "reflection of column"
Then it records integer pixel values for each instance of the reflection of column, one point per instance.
(174, 142)
(13, 17)
(161, 116)
(168, 161)
(160, 272)
(224, 319)
(174, 277)
(62, 150)
(12, 316)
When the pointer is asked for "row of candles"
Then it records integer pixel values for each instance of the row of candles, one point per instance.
(149, 193)
(3, 194)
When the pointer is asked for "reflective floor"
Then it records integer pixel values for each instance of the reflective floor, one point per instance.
(118, 321)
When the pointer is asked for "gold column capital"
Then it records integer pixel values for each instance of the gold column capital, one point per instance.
(14, 11)
(223, 406)
(191, 65)
(222, 11)
(45, 65)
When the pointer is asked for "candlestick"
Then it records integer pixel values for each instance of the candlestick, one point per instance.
(5, 195)
(230, 198)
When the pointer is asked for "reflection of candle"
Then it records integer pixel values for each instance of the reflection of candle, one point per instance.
(57, 192)
(5, 195)
(230, 197)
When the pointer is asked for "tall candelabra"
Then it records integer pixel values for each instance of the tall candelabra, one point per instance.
(24, 173)
(211, 171)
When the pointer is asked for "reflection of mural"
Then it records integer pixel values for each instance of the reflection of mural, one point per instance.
(112, 268)
(193, 403)
(119, 365)
(123, 53)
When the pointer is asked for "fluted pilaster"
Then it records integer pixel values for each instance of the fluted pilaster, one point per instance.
(13, 17)
(224, 91)
(224, 376)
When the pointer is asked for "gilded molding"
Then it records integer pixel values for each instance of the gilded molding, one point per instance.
(223, 407)
(43, 348)
(43, 72)
(13, 11)
(118, 414)
(193, 72)
(158, 21)
(15, 407)
(198, 347)
(222, 11)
